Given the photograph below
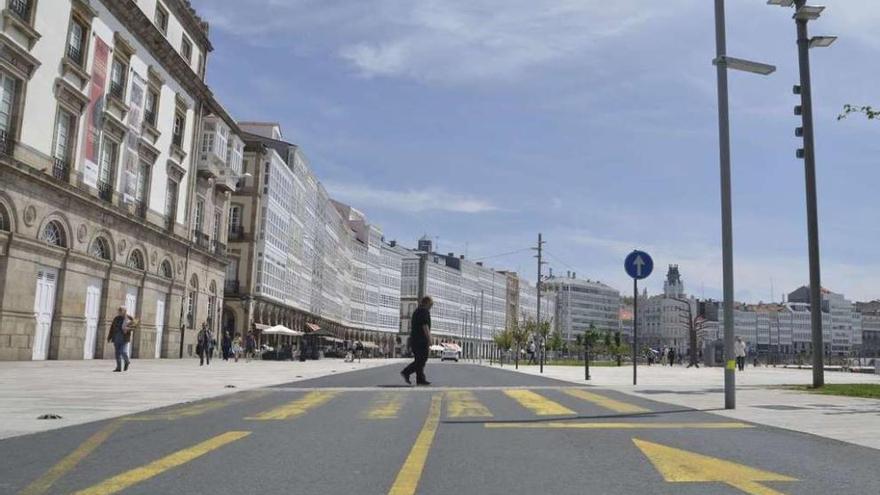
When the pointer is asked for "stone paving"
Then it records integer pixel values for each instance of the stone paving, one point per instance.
(759, 396)
(85, 391)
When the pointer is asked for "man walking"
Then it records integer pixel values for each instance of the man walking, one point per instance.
(419, 341)
(120, 334)
(205, 345)
(671, 356)
(739, 350)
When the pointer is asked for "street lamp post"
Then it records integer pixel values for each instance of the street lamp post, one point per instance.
(804, 14)
(723, 62)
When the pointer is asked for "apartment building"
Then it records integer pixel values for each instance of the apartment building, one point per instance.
(107, 200)
(581, 303)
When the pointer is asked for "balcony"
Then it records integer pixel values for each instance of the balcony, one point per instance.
(105, 191)
(75, 55)
(117, 90)
(208, 169)
(21, 8)
(61, 170)
(236, 233)
(140, 209)
(218, 248)
(231, 287)
(201, 240)
(169, 222)
(6, 143)
(225, 182)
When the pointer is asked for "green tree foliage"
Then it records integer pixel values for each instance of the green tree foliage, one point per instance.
(868, 111)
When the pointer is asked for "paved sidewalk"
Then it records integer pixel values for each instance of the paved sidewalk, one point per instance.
(85, 391)
(759, 398)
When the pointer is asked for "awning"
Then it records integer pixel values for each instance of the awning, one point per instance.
(260, 326)
(313, 327)
(370, 345)
(452, 346)
(281, 330)
(334, 339)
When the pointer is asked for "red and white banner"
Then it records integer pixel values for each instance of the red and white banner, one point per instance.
(94, 113)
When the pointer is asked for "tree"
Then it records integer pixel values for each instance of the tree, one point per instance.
(555, 343)
(503, 341)
(868, 111)
(519, 333)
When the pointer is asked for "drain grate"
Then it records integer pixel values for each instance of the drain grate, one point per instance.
(230, 386)
(49, 416)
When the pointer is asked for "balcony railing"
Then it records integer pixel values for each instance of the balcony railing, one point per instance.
(231, 287)
(21, 8)
(105, 191)
(75, 54)
(177, 140)
(116, 90)
(140, 209)
(150, 117)
(5, 143)
(236, 233)
(169, 221)
(60, 169)
(200, 239)
(218, 248)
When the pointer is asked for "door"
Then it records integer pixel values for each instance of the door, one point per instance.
(131, 296)
(93, 309)
(160, 326)
(44, 306)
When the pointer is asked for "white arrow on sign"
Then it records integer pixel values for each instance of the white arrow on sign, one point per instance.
(639, 263)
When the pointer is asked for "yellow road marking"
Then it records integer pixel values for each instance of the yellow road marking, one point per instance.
(464, 404)
(621, 426)
(538, 404)
(606, 402)
(129, 478)
(296, 408)
(407, 480)
(681, 466)
(387, 406)
(43, 483)
(200, 408)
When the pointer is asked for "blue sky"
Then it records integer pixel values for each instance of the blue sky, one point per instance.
(484, 122)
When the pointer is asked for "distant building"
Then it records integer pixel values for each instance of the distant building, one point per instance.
(581, 303)
(663, 319)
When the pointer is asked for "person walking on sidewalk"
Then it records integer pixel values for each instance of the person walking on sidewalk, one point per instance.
(671, 356)
(204, 345)
(236, 347)
(250, 346)
(419, 341)
(739, 350)
(120, 334)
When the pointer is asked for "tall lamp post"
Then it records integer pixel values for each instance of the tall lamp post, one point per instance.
(723, 62)
(804, 14)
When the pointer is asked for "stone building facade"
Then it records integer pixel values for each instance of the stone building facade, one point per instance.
(101, 107)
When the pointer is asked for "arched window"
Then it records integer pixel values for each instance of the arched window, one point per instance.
(5, 223)
(213, 287)
(100, 249)
(194, 281)
(166, 270)
(53, 234)
(136, 260)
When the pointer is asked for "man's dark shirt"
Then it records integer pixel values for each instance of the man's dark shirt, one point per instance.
(420, 318)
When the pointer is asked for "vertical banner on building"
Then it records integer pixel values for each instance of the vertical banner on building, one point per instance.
(135, 116)
(95, 112)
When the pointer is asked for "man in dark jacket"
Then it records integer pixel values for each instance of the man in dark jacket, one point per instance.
(120, 334)
(419, 341)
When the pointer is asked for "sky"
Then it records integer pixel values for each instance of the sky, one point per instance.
(481, 123)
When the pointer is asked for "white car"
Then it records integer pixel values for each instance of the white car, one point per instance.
(451, 354)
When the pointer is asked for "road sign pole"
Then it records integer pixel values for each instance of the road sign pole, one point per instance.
(635, 327)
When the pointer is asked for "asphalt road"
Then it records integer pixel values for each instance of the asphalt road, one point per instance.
(474, 431)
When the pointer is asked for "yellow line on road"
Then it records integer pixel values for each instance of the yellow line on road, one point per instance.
(129, 478)
(606, 402)
(386, 406)
(464, 404)
(537, 403)
(200, 408)
(296, 408)
(621, 426)
(407, 480)
(42, 484)
(681, 466)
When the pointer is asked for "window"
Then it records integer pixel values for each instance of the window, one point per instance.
(21, 8)
(7, 104)
(106, 167)
(53, 234)
(5, 223)
(161, 19)
(76, 42)
(117, 79)
(142, 180)
(151, 107)
(135, 260)
(186, 49)
(191, 309)
(217, 216)
(165, 269)
(171, 200)
(100, 249)
(63, 135)
(179, 128)
(199, 215)
(234, 221)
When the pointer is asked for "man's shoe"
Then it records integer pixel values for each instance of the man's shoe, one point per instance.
(424, 383)
(405, 378)
(126, 367)
(117, 370)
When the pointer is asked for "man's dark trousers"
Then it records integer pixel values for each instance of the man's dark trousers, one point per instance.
(121, 355)
(420, 351)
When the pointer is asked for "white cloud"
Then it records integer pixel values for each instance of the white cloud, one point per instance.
(410, 201)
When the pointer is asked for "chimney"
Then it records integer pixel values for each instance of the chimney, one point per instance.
(393, 243)
(479, 263)
(461, 257)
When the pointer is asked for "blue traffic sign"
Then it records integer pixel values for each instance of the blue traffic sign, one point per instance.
(638, 265)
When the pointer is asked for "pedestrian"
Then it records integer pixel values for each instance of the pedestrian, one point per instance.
(205, 345)
(236, 347)
(226, 346)
(121, 328)
(531, 351)
(419, 341)
(359, 350)
(250, 346)
(671, 356)
(739, 350)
